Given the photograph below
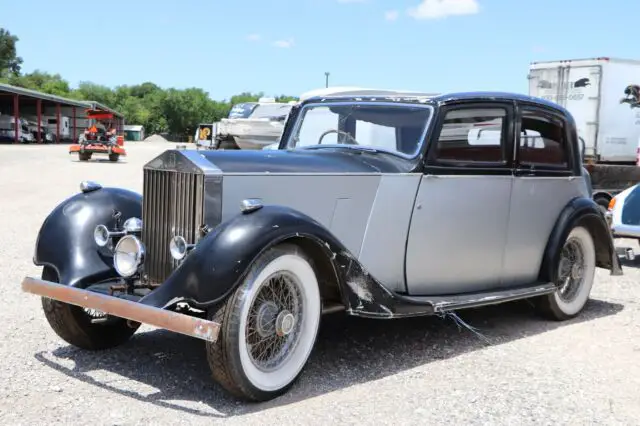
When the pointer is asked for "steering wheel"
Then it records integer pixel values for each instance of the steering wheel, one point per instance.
(355, 142)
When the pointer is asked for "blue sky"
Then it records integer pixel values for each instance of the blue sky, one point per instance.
(285, 46)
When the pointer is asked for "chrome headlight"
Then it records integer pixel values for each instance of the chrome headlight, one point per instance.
(132, 225)
(101, 235)
(128, 255)
(178, 247)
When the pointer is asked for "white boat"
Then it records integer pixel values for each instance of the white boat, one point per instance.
(252, 125)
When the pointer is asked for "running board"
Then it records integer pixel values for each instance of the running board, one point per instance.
(464, 301)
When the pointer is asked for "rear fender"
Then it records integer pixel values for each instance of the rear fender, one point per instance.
(580, 212)
(221, 260)
(65, 241)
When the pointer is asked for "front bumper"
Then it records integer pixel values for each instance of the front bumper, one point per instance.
(97, 148)
(145, 314)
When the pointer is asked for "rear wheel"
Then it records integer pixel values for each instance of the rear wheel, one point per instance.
(603, 202)
(576, 270)
(84, 156)
(268, 326)
(76, 325)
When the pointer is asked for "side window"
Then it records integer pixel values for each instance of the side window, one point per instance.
(472, 135)
(542, 141)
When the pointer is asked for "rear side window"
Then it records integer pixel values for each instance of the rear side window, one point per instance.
(472, 135)
(543, 141)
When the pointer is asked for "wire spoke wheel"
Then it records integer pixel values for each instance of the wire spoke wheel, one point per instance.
(571, 269)
(574, 279)
(273, 329)
(269, 325)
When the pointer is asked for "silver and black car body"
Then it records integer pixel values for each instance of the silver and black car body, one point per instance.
(380, 206)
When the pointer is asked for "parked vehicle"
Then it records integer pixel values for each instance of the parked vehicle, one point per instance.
(8, 130)
(623, 217)
(65, 127)
(46, 135)
(381, 206)
(623, 213)
(253, 126)
(205, 136)
(99, 139)
(595, 92)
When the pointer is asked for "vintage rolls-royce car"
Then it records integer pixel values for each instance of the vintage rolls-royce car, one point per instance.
(378, 206)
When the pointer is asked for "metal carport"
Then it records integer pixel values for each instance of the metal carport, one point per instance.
(17, 101)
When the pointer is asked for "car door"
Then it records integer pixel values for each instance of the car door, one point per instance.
(458, 229)
(545, 178)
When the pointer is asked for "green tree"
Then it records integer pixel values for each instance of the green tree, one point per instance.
(43, 82)
(10, 62)
(95, 92)
(185, 109)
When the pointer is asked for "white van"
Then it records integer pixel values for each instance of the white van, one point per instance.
(8, 133)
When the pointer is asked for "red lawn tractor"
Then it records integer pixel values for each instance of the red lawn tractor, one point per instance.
(99, 140)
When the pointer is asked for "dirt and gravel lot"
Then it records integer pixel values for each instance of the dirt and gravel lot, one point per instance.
(416, 371)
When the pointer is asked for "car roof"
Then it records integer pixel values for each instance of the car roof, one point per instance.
(435, 99)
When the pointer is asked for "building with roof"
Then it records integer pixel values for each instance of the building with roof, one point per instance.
(133, 132)
(65, 118)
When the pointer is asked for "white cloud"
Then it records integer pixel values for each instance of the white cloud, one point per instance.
(434, 9)
(284, 44)
(254, 37)
(391, 15)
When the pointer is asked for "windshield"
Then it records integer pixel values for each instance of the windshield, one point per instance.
(242, 110)
(271, 110)
(394, 128)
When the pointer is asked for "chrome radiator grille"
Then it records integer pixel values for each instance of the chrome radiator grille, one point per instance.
(172, 205)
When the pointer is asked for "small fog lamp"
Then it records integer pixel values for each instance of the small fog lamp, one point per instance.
(101, 235)
(178, 247)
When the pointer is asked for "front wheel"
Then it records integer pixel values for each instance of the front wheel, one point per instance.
(576, 270)
(114, 157)
(82, 327)
(268, 326)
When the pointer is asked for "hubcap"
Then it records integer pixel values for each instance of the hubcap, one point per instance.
(284, 323)
(273, 328)
(571, 270)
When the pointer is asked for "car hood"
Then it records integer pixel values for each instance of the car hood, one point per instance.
(326, 160)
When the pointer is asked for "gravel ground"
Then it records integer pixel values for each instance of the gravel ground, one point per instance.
(415, 371)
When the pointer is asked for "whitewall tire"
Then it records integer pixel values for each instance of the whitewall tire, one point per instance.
(575, 275)
(268, 326)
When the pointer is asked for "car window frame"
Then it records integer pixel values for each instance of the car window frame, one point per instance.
(433, 165)
(542, 169)
(297, 118)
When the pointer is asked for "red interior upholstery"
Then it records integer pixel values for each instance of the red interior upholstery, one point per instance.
(470, 153)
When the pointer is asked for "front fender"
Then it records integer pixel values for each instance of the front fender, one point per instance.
(585, 212)
(65, 240)
(221, 260)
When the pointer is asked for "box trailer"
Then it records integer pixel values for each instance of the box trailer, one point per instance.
(591, 89)
(595, 92)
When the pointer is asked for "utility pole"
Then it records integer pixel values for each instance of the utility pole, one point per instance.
(326, 79)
